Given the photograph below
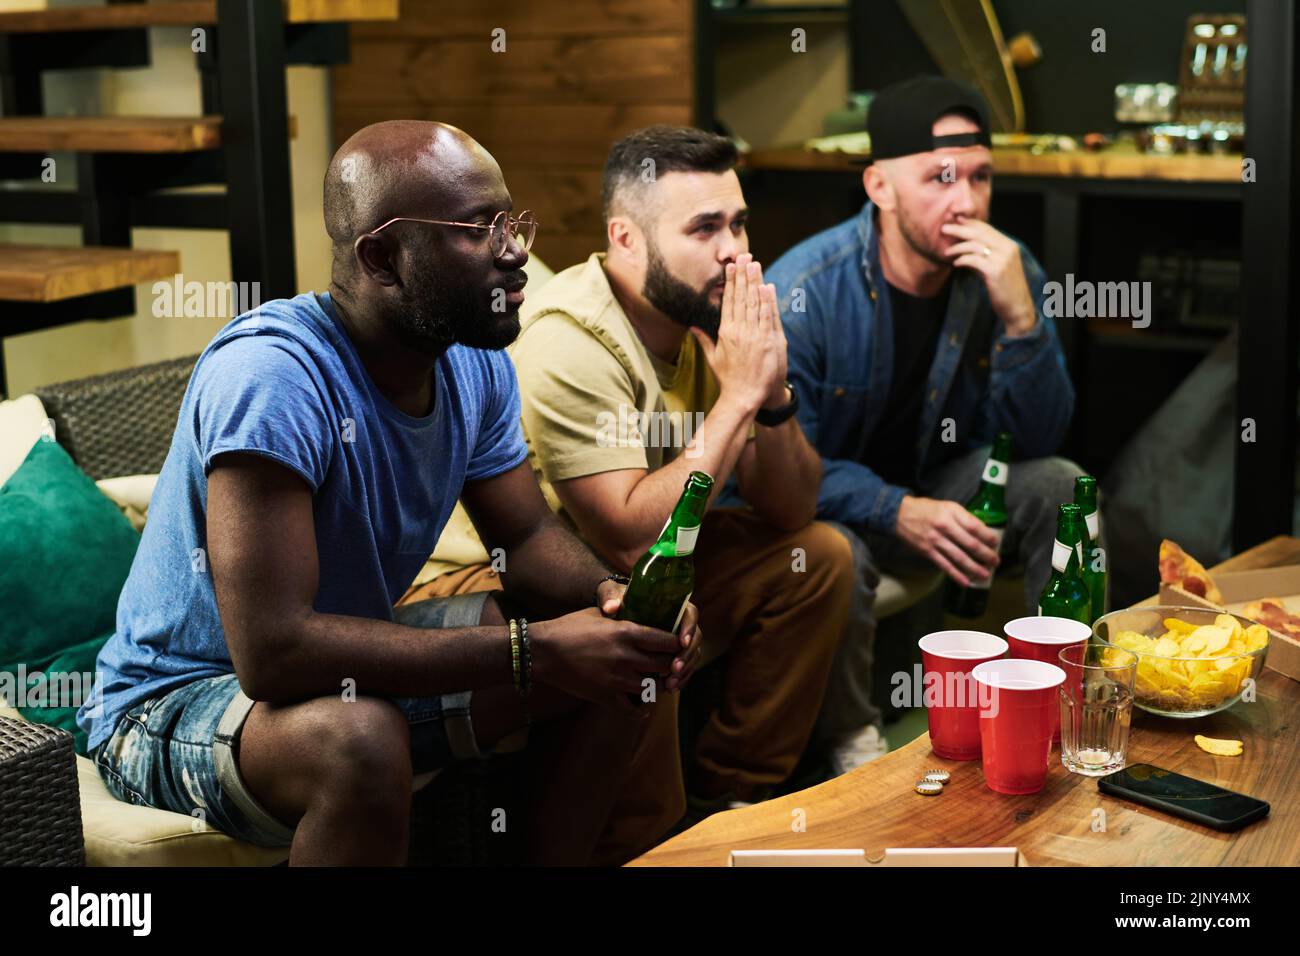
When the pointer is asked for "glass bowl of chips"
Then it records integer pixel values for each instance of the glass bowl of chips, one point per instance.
(1192, 661)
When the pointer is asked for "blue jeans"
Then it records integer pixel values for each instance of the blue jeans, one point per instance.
(177, 752)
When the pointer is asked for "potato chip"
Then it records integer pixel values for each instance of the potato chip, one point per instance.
(1230, 623)
(1218, 747)
(1133, 641)
(1256, 637)
(1182, 627)
(1166, 647)
(1216, 639)
(1207, 687)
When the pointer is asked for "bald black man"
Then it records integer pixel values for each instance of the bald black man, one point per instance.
(258, 677)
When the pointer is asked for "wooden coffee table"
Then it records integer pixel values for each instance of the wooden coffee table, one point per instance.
(875, 807)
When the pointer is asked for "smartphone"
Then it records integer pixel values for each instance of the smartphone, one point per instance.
(1185, 797)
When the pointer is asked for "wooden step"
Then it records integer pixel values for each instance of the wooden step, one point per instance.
(183, 13)
(110, 134)
(51, 273)
(113, 134)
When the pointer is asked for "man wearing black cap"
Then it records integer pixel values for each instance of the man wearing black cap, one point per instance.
(916, 332)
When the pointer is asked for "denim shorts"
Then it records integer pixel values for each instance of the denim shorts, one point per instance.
(177, 751)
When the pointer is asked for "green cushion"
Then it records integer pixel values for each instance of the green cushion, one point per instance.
(65, 552)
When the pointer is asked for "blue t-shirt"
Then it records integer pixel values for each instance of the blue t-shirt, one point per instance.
(285, 381)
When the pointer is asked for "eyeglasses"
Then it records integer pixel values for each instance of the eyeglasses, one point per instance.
(502, 229)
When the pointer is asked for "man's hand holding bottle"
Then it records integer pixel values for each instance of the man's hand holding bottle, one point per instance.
(590, 655)
(958, 543)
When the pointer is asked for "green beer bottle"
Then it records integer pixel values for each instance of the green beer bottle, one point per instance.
(1067, 594)
(1094, 559)
(989, 505)
(664, 577)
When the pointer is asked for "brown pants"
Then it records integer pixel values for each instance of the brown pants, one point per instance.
(776, 603)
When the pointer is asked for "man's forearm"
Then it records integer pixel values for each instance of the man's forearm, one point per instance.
(781, 481)
(323, 652)
(552, 568)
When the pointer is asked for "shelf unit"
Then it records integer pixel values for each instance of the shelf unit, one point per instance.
(129, 167)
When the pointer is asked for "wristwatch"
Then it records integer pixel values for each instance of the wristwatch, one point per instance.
(776, 416)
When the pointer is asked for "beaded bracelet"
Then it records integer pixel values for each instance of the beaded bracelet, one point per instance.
(617, 578)
(514, 652)
(526, 659)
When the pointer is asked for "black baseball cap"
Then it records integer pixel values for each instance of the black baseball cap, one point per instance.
(902, 115)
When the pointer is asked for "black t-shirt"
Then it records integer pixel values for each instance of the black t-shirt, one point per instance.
(891, 452)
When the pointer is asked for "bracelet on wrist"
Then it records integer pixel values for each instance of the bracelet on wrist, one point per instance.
(515, 654)
(782, 413)
(526, 659)
(622, 579)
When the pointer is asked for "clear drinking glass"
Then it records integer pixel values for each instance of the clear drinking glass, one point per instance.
(1096, 708)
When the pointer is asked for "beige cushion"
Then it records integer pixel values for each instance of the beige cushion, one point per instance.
(22, 422)
(129, 491)
(896, 594)
(122, 834)
(131, 494)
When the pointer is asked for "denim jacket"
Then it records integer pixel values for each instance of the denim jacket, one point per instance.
(835, 306)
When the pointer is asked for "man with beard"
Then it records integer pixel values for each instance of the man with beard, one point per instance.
(917, 332)
(258, 675)
(661, 356)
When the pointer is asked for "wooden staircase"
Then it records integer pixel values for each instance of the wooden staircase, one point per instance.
(55, 273)
(127, 164)
(110, 134)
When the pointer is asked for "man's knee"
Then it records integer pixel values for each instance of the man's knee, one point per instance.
(1048, 480)
(866, 569)
(359, 743)
(829, 555)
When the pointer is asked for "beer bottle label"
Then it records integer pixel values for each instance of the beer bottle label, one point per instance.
(681, 611)
(686, 540)
(1060, 556)
(1094, 525)
(995, 472)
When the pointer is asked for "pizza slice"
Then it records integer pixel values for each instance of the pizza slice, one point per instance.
(1272, 613)
(1180, 568)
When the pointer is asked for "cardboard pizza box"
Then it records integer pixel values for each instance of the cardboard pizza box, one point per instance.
(1240, 588)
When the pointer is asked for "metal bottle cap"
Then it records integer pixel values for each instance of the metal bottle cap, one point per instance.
(929, 788)
(938, 776)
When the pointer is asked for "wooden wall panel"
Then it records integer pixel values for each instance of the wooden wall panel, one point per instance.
(524, 136)
(575, 75)
(651, 69)
(439, 19)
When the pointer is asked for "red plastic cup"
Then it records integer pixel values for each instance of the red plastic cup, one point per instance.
(1042, 639)
(950, 695)
(1017, 701)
